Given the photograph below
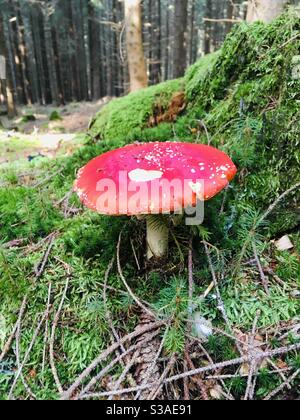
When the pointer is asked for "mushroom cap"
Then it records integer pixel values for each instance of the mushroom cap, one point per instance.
(141, 174)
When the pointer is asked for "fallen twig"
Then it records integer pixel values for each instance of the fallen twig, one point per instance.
(233, 362)
(154, 362)
(64, 198)
(107, 311)
(191, 279)
(253, 366)
(276, 202)
(16, 326)
(107, 368)
(45, 180)
(54, 325)
(283, 385)
(198, 379)
(133, 296)
(46, 329)
(16, 243)
(125, 372)
(68, 393)
(157, 390)
(245, 375)
(207, 355)
(221, 305)
(26, 386)
(135, 256)
(261, 271)
(294, 329)
(269, 271)
(279, 371)
(27, 354)
(186, 388)
(40, 268)
(115, 335)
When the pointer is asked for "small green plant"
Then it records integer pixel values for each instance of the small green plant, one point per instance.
(55, 116)
(28, 117)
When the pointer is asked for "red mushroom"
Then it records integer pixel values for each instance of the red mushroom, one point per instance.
(151, 179)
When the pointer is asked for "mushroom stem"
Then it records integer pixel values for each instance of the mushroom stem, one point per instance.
(157, 238)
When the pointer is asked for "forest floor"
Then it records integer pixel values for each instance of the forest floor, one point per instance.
(45, 130)
(84, 315)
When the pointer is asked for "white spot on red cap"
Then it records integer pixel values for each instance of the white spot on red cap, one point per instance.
(141, 175)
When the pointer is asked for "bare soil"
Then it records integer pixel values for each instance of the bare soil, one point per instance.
(20, 139)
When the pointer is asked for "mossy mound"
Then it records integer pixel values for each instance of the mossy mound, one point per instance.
(243, 99)
(124, 119)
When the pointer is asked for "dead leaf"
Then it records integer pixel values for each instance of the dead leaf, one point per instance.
(216, 392)
(281, 364)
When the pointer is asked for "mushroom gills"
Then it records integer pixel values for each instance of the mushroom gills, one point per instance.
(157, 237)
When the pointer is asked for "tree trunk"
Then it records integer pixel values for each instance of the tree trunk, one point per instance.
(42, 78)
(135, 50)
(114, 50)
(208, 28)
(8, 89)
(78, 11)
(50, 56)
(15, 48)
(23, 56)
(165, 41)
(108, 51)
(180, 37)
(155, 46)
(31, 64)
(94, 38)
(229, 15)
(265, 10)
(192, 38)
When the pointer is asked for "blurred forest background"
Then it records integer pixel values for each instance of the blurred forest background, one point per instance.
(83, 313)
(75, 50)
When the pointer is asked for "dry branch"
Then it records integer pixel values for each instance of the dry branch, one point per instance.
(118, 359)
(54, 326)
(27, 354)
(221, 305)
(264, 279)
(253, 366)
(137, 301)
(233, 362)
(107, 311)
(151, 372)
(46, 329)
(276, 202)
(12, 336)
(125, 372)
(283, 385)
(198, 379)
(161, 380)
(26, 386)
(129, 337)
(222, 20)
(40, 268)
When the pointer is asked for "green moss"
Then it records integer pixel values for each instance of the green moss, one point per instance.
(248, 101)
(20, 217)
(126, 117)
(199, 72)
